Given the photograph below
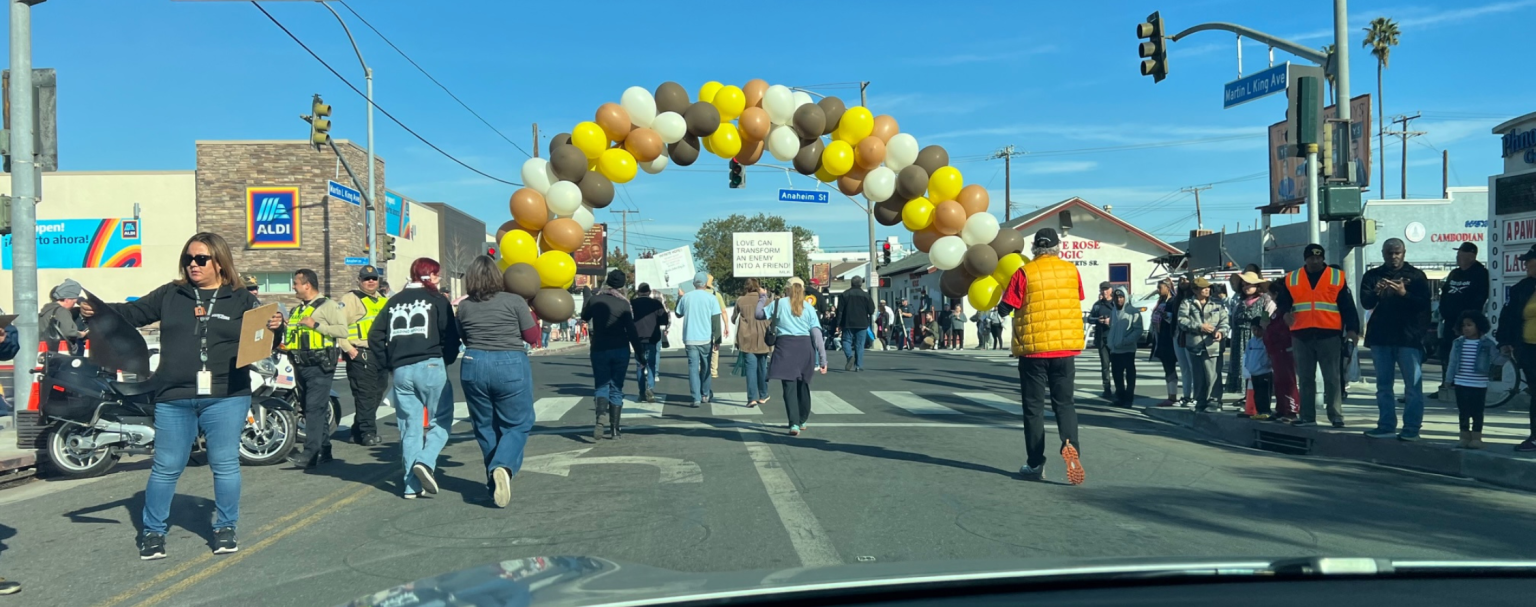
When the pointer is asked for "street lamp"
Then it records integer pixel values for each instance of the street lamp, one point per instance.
(368, 75)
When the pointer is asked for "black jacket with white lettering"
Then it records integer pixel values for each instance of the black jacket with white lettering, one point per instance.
(1463, 291)
(416, 325)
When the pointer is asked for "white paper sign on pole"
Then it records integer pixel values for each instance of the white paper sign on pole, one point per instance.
(648, 271)
(676, 267)
(762, 254)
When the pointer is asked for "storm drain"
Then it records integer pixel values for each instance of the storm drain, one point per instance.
(1282, 443)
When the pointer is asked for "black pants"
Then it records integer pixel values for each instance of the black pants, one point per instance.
(367, 380)
(797, 401)
(1123, 367)
(316, 386)
(1525, 356)
(1263, 391)
(1101, 343)
(1036, 377)
(1469, 407)
(997, 337)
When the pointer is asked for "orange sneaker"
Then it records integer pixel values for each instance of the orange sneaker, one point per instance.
(1074, 465)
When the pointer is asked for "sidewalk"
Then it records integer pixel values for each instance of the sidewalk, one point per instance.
(559, 347)
(14, 463)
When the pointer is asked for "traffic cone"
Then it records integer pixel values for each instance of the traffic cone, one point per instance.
(63, 347)
(1248, 406)
(32, 400)
(86, 350)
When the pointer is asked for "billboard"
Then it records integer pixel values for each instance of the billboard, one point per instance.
(592, 256)
(272, 218)
(1288, 173)
(66, 244)
(395, 213)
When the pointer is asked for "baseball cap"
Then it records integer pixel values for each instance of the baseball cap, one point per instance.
(1312, 250)
(1529, 255)
(367, 272)
(1105, 285)
(249, 280)
(1046, 238)
(1467, 247)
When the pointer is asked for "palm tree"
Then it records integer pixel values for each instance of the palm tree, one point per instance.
(1328, 50)
(1380, 37)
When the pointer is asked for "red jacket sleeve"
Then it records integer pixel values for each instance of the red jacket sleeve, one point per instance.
(1013, 293)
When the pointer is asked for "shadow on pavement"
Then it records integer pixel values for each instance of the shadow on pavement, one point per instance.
(188, 512)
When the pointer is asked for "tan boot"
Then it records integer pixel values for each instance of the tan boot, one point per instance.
(1461, 443)
(1475, 440)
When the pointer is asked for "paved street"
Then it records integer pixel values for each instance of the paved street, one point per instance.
(913, 459)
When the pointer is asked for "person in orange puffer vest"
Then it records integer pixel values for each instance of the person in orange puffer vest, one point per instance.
(1045, 299)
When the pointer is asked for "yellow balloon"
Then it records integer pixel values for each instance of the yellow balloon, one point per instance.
(589, 138)
(917, 214)
(518, 246)
(707, 92)
(592, 164)
(617, 165)
(1007, 267)
(824, 176)
(984, 293)
(731, 101)
(837, 159)
(556, 269)
(725, 142)
(856, 124)
(503, 263)
(945, 184)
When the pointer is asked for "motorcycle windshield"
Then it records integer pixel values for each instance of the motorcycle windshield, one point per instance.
(115, 342)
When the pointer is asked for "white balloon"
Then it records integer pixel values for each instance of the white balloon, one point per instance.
(671, 127)
(583, 216)
(802, 98)
(563, 198)
(947, 252)
(655, 166)
(880, 184)
(900, 151)
(640, 105)
(981, 228)
(783, 143)
(538, 174)
(780, 103)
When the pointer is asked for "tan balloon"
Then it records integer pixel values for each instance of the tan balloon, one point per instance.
(974, 198)
(949, 218)
(563, 234)
(754, 123)
(754, 90)
(852, 182)
(751, 151)
(511, 224)
(529, 209)
(885, 128)
(924, 238)
(615, 121)
(644, 144)
(870, 153)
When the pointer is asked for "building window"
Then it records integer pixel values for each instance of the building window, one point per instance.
(274, 282)
(1120, 273)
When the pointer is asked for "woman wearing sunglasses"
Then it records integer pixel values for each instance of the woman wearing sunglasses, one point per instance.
(198, 385)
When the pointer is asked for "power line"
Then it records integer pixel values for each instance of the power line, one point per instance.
(1119, 148)
(381, 109)
(429, 77)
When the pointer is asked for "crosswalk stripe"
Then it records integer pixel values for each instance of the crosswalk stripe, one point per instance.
(553, 408)
(634, 408)
(914, 404)
(992, 400)
(731, 404)
(827, 403)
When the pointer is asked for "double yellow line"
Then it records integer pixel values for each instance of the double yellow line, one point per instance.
(337, 499)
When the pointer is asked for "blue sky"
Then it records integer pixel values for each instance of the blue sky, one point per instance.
(140, 80)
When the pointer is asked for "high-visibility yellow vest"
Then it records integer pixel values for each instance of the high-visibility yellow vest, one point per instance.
(372, 305)
(1316, 307)
(1051, 319)
(300, 337)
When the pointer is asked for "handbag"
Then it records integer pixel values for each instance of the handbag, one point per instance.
(771, 336)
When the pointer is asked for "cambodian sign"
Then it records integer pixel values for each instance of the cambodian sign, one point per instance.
(762, 254)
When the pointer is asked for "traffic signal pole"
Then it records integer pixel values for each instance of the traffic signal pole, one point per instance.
(23, 202)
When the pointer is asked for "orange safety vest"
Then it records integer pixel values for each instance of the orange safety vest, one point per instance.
(1315, 307)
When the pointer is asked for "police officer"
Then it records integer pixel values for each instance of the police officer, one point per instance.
(364, 374)
(316, 335)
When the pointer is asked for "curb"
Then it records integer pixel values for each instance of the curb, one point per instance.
(567, 349)
(1500, 469)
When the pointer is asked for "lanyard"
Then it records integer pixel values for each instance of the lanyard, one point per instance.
(202, 321)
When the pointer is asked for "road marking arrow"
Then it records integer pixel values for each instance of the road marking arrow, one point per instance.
(673, 470)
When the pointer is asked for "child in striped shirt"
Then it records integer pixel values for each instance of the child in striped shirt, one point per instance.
(1472, 356)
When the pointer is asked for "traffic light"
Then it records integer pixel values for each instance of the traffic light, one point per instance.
(1154, 49)
(319, 122)
(389, 248)
(490, 252)
(886, 257)
(738, 175)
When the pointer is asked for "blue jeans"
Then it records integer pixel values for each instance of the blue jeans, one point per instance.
(698, 371)
(757, 376)
(176, 425)
(545, 340)
(417, 385)
(608, 370)
(853, 345)
(1411, 361)
(645, 367)
(499, 388)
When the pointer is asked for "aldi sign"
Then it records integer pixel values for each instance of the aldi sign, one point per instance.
(272, 218)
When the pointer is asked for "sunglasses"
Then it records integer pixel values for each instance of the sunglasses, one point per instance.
(373, 279)
(199, 260)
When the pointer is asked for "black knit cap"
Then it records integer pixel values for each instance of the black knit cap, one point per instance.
(615, 279)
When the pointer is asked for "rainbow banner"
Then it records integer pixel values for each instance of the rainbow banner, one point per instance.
(64, 244)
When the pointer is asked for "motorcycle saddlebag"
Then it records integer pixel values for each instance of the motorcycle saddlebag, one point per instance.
(72, 388)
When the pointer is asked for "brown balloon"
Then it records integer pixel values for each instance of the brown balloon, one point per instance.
(833, 108)
(922, 239)
(932, 158)
(558, 140)
(529, 209)
(521, 279)
(911, 182)
(808, 159)
(508, 226)
(974, 198)
(949, 218)
(754, 123)
(751, 151)
(885, 128)
(754, 90)
(955, 283)
(569, 163)
(685, 151)
(554, 305)
(888, 212)
(809, 121)
(564, 234)
(980, 260)
(596, 190)
(615, 121)
(851, 183)
(702, 118)
(1008, 240)
(869, 153)
(644, 144)
(671, 97)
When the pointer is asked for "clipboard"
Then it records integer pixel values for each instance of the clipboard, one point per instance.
(7, 319)
(255, 337)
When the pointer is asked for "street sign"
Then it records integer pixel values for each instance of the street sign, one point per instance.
(812, 196)
(357, 261)
(336, 190)
(1255, 86)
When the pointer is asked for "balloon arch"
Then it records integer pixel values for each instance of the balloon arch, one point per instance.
(865, 154)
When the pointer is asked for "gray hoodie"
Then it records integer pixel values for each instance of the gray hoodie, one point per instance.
(1125, 326)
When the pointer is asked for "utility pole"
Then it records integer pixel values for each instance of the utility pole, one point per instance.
(1007, 154)
(1199, 218)
(24, 193)
(373, 236)
(624, 214)
(536, 143)
(1405, 135)
(870, 277)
